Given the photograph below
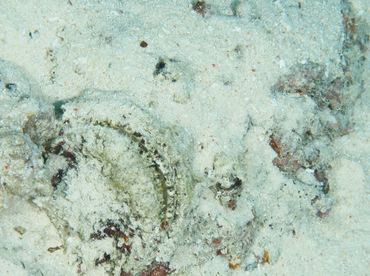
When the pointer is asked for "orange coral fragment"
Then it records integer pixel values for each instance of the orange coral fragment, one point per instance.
(235, 266)
(266, 257)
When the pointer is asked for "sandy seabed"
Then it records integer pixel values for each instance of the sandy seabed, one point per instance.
(184, 138)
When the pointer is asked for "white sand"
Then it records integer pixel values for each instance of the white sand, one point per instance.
(217, 85)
